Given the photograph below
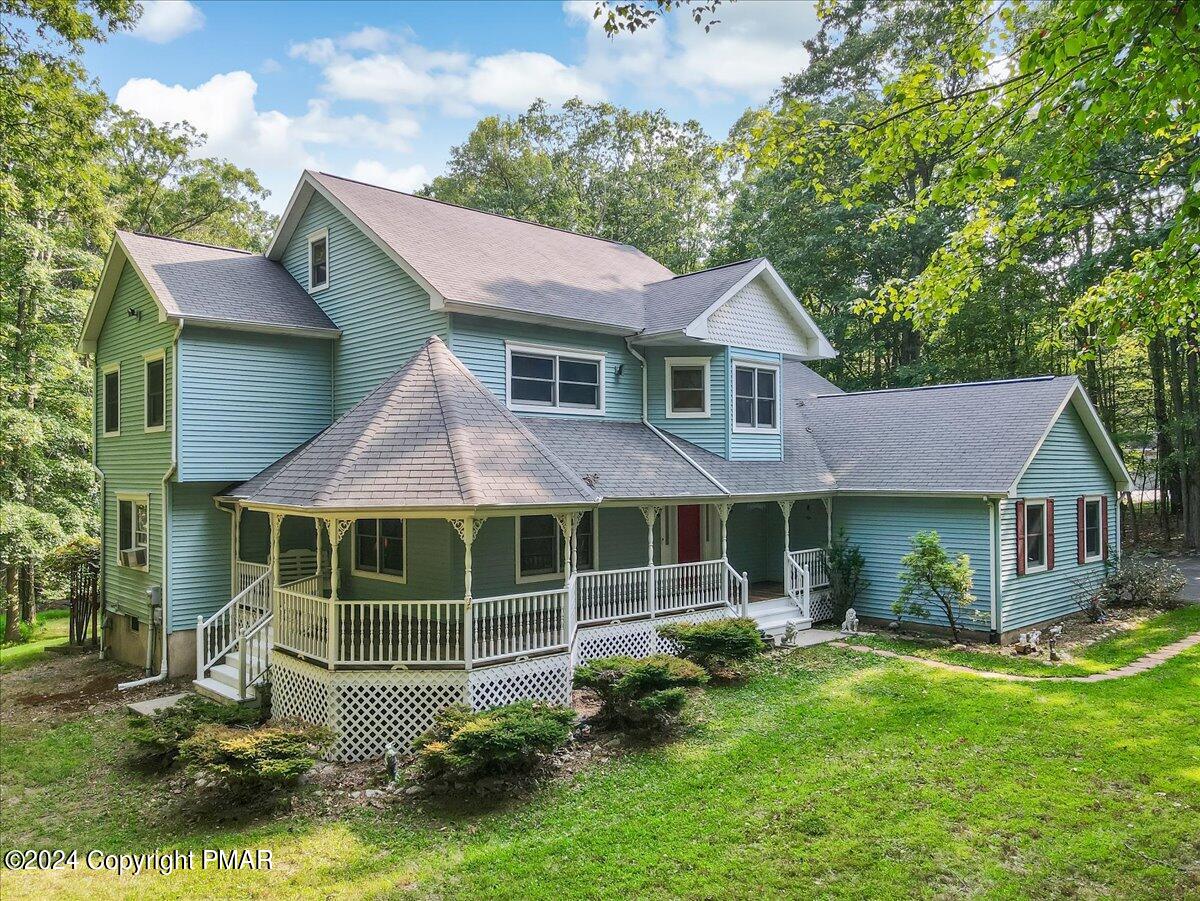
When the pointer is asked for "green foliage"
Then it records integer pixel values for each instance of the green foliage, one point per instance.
(629, 176)
(160, 736)
(244, 762)
(928, 576)
(717, 644)
(846, 579)
(1142, 582)
(510, 739)
(643, 695)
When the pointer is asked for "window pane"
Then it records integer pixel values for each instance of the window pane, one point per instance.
(319, 272)
(154, 393)
(1034, 534)
(766, 383)
(366, 545)
(579, 395)
(585, 544)
(532, 367)
(766, 413)
(579, 371)
(141, 535)
(532, 391)
(745, 411)
(125, 525)
(687, 377)
(687, 401)
(744, 382)
(391, 552)
(1091, 532)
(539, 545)
(112, 401)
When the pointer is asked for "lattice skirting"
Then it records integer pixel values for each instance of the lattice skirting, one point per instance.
(636, 639)
(821, 606)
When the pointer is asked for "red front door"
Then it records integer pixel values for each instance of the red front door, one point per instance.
(688, 520)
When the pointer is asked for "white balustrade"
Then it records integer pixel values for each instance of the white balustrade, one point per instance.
(244, 573)
(301, 624)
(684, 586)
(520, 624)
(604, 595)
(816, 561)
(399, 632)
(217, 635)
(254, 654)
(799, 585)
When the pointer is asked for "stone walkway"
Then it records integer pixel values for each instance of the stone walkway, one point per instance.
(1130, 669)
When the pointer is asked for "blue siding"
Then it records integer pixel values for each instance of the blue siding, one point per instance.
(710, 433)
(883, 527)
(246, 399)
(750, 446)
(199, 559)
(480, 343)
(383, 314)
(1066, 467)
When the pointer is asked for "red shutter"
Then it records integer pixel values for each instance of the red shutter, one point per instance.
(1049, 533)
(1020, 505)
(1080, 530)
(1104, 526)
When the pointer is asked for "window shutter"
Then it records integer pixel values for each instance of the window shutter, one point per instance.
(1080, 530)
(1020, 505)
(1049, 533)
(1104, 526)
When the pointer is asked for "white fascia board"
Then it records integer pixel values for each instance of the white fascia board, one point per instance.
(1078, 398)
(261, 327)
(288, 223)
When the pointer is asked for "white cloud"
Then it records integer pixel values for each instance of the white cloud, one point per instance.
(512, 80)
(406, 178)
(270, 66)
(163, 21)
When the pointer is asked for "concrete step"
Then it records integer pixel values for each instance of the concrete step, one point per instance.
(768, 608)
(216, 691)
(779, 621)
(225, 672)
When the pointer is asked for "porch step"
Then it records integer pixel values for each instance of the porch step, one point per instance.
(773, 617)
(216, 690)
(226, 673)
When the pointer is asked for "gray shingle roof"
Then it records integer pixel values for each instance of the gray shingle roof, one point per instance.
(972, 439)
(480, 258)
(676, 302)
(198, 281)
(431, 436)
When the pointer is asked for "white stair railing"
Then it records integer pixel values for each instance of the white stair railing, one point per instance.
(254, 655)
(799, 585)
(736, 590)
(217, 635)
(817, 562)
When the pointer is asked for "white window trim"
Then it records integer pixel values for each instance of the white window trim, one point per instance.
(549, 577)
(1098, 500)
(135, 498)
(104, 373)
(549, 351)
(755, 364)
(312, 239)
(687, 362)
(1031, 569)
(371, 574)
(147, 359)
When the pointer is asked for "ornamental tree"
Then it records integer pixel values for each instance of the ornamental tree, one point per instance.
(928, 577)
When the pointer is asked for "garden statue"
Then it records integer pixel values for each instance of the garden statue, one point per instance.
(850, 626)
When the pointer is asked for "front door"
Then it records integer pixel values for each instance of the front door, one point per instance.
(688, 525)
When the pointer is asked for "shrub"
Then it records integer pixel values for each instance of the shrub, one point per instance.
(846, 579)
(160, 735)
(246, 761)
(510, 739)
(644, 694)
(717, 644)
(1143, 582)
(929, 576)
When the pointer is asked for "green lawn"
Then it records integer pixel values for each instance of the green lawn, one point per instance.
(1111, 653)
(829, 773)
(53, 627)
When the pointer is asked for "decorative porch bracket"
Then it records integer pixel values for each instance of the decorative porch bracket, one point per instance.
(467, 528)
(786, 508)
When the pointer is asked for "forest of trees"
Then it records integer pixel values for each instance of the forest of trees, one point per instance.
(958, 191)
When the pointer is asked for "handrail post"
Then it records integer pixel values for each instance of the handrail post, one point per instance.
(242, 665)
(807, 592)
(725, 581)
(745, 594)
(468, 626)
(200, 647)
(651, 590)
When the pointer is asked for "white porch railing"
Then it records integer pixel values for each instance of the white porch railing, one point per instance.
(798, 584)
(683, 586)
(244, 573)
(302, 623)
(398, 632)
(520, 624)
(217, 635)
(254, 655)
(817, 562)
(607, 594)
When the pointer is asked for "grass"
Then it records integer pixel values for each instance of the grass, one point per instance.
(52, 628)
(828, 773)
(1110, 653)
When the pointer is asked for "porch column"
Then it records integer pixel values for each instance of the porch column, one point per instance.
(723, 512)
(337, 530)
(235, 588)
(467, 528)
(650, 514)
(320, 550)
(275, 519)
(567, 524)
(828, 521)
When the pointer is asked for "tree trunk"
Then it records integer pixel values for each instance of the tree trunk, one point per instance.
(25, 592)
(1185, 465)
(12, 627)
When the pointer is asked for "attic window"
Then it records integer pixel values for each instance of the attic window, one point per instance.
(755, 396)
(548, 380)
(687, 392)
(112, 399)
(318, 260)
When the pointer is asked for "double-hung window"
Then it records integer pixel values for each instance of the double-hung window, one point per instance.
(111, 398)
(379, 548)
(155, 392)
(756, 398)
(133, 531)
(1035, 536)
(566, 381)
(540, 547)
(1093, 535)
(318, 260)
(687, 387)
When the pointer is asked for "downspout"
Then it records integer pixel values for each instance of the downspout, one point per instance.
(161, 676)
(994, 541)
(648, 424)
(103, 506)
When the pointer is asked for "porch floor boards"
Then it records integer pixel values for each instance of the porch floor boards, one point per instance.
(766, 591)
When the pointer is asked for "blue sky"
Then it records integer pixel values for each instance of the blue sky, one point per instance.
(381, 91)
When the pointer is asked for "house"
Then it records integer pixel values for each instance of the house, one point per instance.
(416, 454)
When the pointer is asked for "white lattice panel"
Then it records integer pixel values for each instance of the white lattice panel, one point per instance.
(375, 709)
(638, 639)
(821, 607)
(543, 679)
(299, 691)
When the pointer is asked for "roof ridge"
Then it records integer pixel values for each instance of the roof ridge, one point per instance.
(707, 269)
(129, 231)
(1012, 381)
(471, 209)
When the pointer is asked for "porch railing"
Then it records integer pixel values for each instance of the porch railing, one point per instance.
(398, 632)
(254, 655)
(798, 584)
(817, 562)
(520, 624)
(244, 573)
(217, 635)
